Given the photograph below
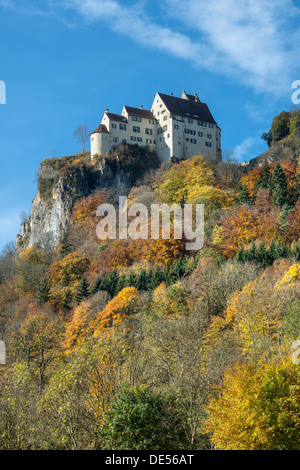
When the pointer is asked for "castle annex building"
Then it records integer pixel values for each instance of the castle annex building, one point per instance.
(174, 127)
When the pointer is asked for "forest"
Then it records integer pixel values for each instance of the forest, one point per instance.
(142, 345)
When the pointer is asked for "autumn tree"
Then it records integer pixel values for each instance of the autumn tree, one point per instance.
(257, 409)
(116, 311)
(69, 270)
(37, 341)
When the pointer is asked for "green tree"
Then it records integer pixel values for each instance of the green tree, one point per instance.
(44, 293)
(264, 180)
(279, 187)
(243, 196)
(295, 123)
(141, 419)
(280, 126)
(82, 291)
(67, 299)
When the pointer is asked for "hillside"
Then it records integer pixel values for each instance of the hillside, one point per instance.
(141, 343)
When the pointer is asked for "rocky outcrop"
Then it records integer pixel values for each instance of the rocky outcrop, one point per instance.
(63, 181)
(288, 148)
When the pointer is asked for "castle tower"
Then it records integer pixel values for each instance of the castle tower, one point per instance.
(99, 141)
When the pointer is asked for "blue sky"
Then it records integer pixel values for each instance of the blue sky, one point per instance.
(64, 62)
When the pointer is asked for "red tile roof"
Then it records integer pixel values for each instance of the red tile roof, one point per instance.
(101, 128)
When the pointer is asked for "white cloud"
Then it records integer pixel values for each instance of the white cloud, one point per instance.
(247, 149)
(254, 42)
(258, 38)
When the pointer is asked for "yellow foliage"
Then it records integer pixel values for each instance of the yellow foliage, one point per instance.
(79, 327)
(69, 270)
(32, 255)
(290, 278)
(192, 181)
(116, 310)
(255, 319)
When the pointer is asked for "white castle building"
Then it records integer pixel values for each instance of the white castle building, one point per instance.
(174, 127)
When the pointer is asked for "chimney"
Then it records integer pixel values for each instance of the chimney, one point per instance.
(171, 94)
(141, 107)
(106, 111)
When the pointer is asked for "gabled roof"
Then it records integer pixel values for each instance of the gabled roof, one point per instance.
(187, 108)
(101, 128)
(116, 117)
(139, 112)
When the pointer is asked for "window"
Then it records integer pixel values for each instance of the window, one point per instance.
(200, 134)
(168, 136)
(148, 141)
(114, 126)
(133, 138)
(192, 132)
(136, 129)
(209, 136)
(139, 139)
(176, 126)
(148, 131)
(201, 123)
(163, 111)
(208, 144)
(122, 127)
(165, 118)
(193, 141)
(159, 130)
(154, 141)
(187, 139)
(187, 131)
(135, 118)
(190, 121)
(211, 126)
(165, 128)
(115, 139)
(124, 141)
(151, 121)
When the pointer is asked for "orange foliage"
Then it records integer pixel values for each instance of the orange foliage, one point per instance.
(117, 310)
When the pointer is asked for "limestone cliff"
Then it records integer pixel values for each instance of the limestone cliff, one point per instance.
(62, 181)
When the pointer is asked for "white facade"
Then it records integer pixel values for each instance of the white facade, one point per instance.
(175, 127)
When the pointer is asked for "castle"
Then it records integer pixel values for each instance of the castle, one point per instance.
(174, 127)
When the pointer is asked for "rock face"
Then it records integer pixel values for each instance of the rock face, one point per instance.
(288, 148)
(63, 181)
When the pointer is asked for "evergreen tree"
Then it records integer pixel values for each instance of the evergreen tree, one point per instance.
(295, 252)
(272, 251)
(44, 293)
(65, 248)
(279, 187)
(252, 252)
(67, 299)
(121, 284)
(82, 291)
(264, 180)
(97, 286)
(141, 280)
(243, 196)
(261, 254)
(240, 256)
(112, 282)
(132, 279)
